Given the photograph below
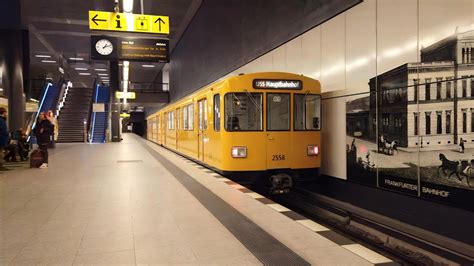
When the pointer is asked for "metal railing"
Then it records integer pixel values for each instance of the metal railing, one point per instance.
(149, 87)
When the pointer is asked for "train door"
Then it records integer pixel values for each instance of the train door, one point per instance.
(202, 127)
(177, 119)
(158, 129)
(165, 127)
(151, 129)
(278, 130)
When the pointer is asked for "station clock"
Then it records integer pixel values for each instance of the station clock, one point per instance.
(104, 47)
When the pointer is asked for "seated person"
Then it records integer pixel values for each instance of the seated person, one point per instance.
(23, 146)
(11, 149)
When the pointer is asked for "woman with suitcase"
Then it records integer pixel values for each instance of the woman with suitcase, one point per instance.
(43, 132)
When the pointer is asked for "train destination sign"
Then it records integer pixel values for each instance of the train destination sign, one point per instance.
(111, 21)
(132, 49)
(144, 50)
(277, 84)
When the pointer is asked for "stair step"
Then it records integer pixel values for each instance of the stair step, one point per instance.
(75, 110)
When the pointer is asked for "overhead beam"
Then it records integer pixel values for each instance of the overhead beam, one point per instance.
(33, 30)
(108, 33)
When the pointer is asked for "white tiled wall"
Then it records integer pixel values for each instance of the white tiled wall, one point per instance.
(369, 39)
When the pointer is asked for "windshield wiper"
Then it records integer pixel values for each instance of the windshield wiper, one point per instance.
(253, 100)
(306, 94)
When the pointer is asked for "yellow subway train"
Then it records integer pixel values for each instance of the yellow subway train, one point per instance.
(259, 128)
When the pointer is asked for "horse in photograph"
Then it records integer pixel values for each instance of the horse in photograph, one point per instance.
(466, 168)
(457, 168)
(387, 147)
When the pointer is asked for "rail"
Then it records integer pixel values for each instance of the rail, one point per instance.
(41, 102)
(92, 116)
(88, 122)
(62, 98)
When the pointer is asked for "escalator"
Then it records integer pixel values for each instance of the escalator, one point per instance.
(48, 101)
(99, 119)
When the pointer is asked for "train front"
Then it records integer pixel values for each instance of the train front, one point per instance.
(272, 129)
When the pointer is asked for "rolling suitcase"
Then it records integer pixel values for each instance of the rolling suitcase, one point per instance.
(36, 159)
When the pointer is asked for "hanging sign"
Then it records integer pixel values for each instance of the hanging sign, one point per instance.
(132, 49)
(125, 95)
(111, 21)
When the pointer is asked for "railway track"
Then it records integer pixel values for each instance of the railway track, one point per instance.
(388, 241)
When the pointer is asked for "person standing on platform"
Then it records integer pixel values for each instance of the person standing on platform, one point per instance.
(3, 135)
(43, 132)
(54, 122)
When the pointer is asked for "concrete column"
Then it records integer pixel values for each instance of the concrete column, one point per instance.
(115, 109)
(166, 77)
(13, 48)
(12, 79)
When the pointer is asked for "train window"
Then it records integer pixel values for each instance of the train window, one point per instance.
(185, 118)
(217, 113)
(278, 111)
(171, 120)
(202, 114)
(307, 112)
(243, 111)
(188, 117)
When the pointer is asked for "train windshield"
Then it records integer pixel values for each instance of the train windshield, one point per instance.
(243, 111)
(278, 111)
(307, 111)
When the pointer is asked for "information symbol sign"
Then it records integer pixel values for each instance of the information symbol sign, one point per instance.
(118, 22)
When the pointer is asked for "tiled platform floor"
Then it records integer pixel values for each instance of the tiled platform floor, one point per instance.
(116, 204)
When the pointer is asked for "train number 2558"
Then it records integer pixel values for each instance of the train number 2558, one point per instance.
(278, 157)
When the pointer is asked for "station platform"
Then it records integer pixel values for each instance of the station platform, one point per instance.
(137, 203)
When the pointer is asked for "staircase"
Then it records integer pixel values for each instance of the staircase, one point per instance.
(75, 111)
(99, 119)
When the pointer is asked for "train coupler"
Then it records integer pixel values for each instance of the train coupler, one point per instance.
(280, 184)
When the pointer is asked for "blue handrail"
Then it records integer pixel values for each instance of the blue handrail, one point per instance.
(93, 119)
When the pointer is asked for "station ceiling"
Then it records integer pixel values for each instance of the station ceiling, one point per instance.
(59, 29)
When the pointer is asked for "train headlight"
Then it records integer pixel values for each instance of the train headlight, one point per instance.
(239, 152)
(313, 150)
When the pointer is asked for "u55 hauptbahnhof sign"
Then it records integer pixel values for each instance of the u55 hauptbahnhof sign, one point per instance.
(110, 21)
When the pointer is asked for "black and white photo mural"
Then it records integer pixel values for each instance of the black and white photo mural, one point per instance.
(413, 131)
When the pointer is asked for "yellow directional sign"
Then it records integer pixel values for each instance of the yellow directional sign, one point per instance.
(125, 95)
(160, 24)
(100, 20)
